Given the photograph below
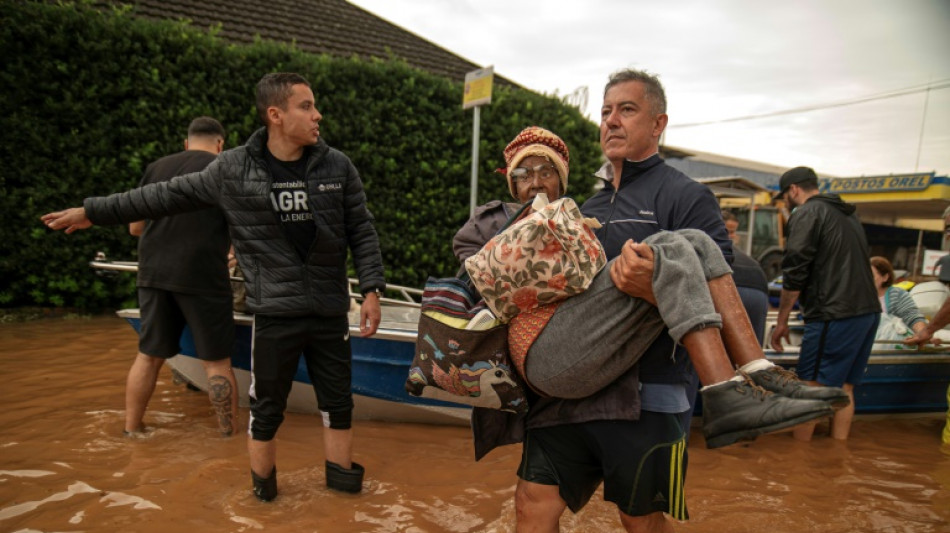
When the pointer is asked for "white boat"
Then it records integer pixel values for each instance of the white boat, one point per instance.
(380, 363)
(898, 378)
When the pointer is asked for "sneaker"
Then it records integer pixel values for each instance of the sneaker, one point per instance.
(265, 488)
(345, 479)
(786, 383)
(741, 410)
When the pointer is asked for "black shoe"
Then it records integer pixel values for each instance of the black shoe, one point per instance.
(741, 410)
(346, 480)
(786, 383)
(265, 488)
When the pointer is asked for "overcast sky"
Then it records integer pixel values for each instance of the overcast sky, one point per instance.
(725, 59)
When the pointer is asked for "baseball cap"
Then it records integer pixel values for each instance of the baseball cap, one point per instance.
(793, 176)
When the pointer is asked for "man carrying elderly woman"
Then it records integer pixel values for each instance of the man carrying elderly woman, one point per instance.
(581, 357)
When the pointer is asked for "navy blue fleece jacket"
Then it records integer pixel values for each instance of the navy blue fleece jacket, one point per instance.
(652, 197)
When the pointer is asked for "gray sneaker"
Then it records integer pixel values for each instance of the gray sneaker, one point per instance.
(741, 410)
(786, 383)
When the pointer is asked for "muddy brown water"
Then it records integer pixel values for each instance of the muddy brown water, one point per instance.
(64, 466)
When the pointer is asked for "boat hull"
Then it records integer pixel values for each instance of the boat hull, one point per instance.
(380, 367)
(896, 380)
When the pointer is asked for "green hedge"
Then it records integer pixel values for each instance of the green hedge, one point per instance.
(93, 96)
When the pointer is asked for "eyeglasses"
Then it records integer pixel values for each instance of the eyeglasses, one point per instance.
(544, 172)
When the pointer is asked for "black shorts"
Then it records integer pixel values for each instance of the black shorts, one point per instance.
(164, 315)
(642, 464)
(279, 342)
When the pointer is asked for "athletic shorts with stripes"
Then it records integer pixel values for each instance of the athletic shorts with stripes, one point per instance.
(641, 463)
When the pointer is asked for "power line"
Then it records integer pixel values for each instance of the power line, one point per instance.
(941, 84)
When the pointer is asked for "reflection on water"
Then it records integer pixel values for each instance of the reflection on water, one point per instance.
(64, 465)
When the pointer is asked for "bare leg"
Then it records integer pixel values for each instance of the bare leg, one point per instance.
(222, 391)
(737, 333)
(841, 422)
(945, 437)
(840, 427)
(538, 507)
(804, 432)
(744, 348)
(736, 410)
(139, 386)
(338, 445)
(708, 355)
(263, 455)
(651, 523)
(342, 472)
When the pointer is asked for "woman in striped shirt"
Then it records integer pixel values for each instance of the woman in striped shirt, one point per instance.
(895, 301)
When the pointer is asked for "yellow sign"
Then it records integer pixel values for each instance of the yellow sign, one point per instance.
(478, 87)
(906, 182)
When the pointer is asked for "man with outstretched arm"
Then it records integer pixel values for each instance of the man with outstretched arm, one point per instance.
(294, 206)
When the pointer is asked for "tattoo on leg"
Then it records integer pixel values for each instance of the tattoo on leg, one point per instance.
(220, 391)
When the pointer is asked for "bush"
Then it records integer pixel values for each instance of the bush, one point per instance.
(94, 96)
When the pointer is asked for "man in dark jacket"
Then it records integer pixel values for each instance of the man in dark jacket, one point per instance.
(183, 279)
(637, 451)
(826, 267)
(294, 205)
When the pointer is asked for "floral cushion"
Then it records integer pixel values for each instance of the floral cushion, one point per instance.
(545, 257)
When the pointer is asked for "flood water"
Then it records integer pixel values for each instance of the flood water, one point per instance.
(64, 466)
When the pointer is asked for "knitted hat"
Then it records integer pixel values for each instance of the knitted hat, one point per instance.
(537, 141)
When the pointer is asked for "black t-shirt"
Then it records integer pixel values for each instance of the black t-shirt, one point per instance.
(188, 252)
(746, 272)
(290, 201)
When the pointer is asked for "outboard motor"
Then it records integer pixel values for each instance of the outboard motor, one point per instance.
(929, 296)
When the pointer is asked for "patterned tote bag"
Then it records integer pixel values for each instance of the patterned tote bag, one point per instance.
(462, 351)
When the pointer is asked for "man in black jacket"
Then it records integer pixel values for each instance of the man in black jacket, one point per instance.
(183, 278)
(294, 205)
(826, 266)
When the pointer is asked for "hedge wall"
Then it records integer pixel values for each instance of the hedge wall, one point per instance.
(93, 96)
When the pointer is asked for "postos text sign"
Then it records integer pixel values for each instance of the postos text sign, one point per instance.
(903, 182)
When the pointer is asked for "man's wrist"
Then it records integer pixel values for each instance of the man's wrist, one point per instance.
(377, 292)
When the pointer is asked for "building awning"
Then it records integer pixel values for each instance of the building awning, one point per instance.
(908, 200)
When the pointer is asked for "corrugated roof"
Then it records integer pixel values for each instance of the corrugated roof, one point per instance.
(723, 160)
(319, 26)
